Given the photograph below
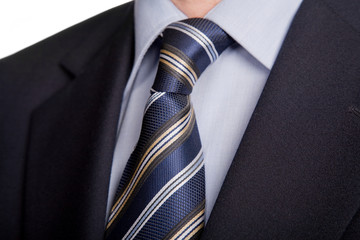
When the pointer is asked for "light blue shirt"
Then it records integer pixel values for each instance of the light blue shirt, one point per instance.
(227, 92)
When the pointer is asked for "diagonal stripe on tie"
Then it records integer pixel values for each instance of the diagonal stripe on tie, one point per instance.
(162, 191)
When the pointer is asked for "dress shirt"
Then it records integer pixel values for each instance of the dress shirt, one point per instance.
(227, 92)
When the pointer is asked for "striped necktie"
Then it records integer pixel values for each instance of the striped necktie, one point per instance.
(162, 191)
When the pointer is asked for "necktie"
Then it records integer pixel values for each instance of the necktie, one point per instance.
(162, 191)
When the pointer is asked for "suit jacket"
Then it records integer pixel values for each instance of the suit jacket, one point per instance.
(296, 174)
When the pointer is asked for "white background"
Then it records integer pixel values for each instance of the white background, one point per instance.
(25, 22)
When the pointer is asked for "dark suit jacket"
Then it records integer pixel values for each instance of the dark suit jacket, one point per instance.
(296, 174)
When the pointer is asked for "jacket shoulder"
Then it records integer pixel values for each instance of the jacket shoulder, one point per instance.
(37, 69)
(99, 28)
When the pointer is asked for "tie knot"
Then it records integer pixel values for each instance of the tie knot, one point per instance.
(188, 47)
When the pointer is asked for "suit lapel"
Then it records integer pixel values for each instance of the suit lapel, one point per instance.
(72, 141)
(287, 172)
(294, 174)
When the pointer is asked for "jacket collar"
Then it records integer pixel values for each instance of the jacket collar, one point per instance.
(96, 39)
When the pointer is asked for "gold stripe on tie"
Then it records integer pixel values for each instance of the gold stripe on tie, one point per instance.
(172, 66)
(182, 132)
(177, 58)
(188, 224)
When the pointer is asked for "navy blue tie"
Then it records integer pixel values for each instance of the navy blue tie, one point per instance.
(162, 191)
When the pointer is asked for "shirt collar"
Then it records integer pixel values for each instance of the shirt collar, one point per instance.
(151, 18)
(259, 26)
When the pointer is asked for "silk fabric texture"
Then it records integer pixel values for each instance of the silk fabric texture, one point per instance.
(162, 191)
